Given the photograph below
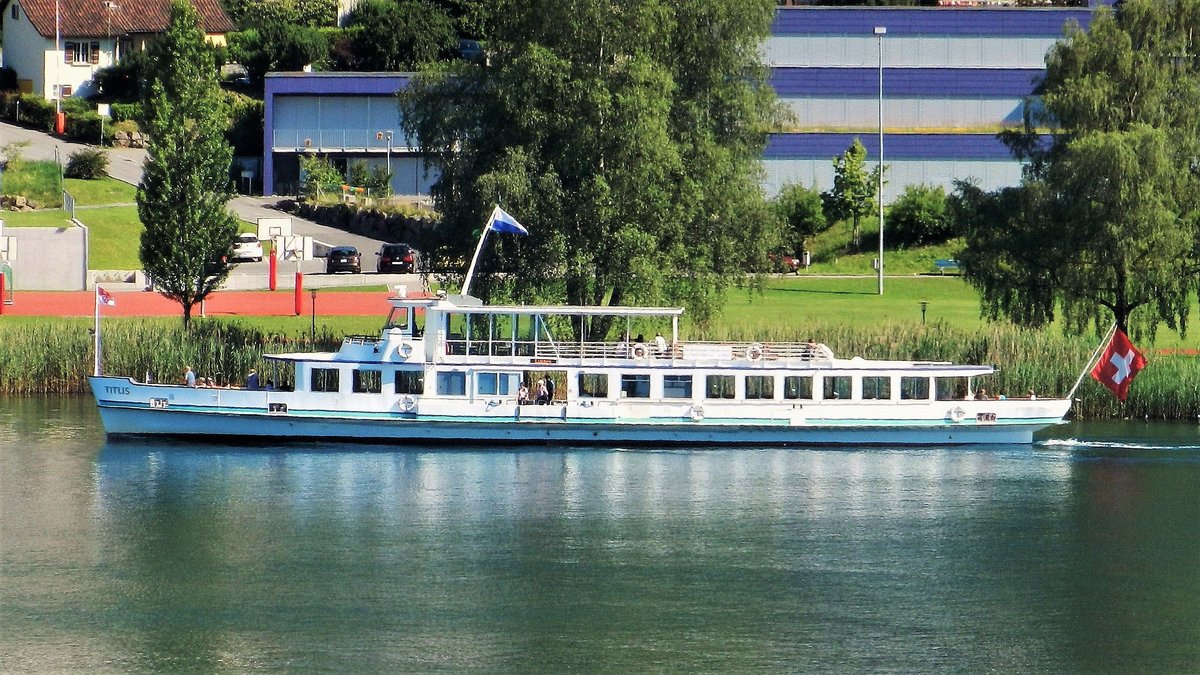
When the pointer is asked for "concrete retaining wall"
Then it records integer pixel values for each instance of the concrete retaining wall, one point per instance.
(49, 258)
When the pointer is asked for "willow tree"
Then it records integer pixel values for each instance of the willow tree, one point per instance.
(626, 135)
(1116, 228)
(185, 183)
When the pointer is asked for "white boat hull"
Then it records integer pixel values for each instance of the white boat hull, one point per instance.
(129, 408)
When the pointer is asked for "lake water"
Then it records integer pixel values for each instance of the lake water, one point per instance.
(1078, 554)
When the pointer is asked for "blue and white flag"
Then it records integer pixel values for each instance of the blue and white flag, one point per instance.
(501, 221)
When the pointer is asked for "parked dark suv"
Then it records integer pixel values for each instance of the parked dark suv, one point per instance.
(343, 259)
(396, 259)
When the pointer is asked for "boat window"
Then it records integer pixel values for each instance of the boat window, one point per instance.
(324, 379)
(593, 385)
(497, 383)
(452, 384)
(760, 386)
(835, 387)
(877, 388)
(635, 386)
(914, 388)
(798, 387)
(720, 386)
(677, 386)
(368, 381)
(951, 388)
(410, 382)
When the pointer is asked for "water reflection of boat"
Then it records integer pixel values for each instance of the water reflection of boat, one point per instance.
(451, 369)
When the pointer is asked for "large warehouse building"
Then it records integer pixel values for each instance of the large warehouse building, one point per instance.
(952, 78)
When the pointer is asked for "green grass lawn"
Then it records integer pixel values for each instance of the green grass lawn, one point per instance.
(102, 191)
(39, 218)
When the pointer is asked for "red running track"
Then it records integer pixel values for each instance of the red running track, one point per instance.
(221, 303)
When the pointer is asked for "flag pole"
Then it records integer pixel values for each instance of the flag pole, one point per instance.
(1092, 361)
(96, 331)
(466, 287)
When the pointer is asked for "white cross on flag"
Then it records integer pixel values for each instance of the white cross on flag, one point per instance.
(1118, 365)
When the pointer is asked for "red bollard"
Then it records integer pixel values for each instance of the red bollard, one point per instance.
(2, 280)
(299, 293)
(60, 123)
(273, 270)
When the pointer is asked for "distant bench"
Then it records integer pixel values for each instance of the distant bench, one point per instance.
(946, 265)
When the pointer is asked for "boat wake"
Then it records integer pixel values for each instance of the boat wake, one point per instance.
(1110, 445)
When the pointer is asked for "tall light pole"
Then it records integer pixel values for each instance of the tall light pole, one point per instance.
(111, 6)
(880, 31)
(58, 57)
(379, 136)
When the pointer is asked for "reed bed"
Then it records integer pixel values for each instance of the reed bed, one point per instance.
(55, 357)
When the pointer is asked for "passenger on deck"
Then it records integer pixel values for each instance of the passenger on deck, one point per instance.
(543, 395)
(189, 377)
(660, 344)
(523, 394)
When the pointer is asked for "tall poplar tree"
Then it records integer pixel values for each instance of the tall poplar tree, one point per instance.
(626, 135)
(1110, 220)
(185, 183)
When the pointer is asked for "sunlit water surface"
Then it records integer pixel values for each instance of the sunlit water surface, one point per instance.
(1078, 554)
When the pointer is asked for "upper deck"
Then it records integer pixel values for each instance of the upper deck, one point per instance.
(461, 331)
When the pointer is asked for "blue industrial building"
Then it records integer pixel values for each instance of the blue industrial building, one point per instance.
(952, 78)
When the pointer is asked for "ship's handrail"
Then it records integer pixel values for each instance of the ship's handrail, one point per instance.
(361, 340)
(609, 351)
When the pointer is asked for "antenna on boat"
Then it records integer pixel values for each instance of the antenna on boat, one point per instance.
(500, 221)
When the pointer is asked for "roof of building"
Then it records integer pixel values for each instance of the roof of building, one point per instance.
(96, 18)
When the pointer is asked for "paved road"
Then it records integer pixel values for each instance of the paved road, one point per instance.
(125, 164)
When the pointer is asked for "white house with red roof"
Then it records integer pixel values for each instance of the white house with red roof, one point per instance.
(58, 45)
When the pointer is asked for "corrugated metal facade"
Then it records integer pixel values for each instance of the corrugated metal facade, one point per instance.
(946, 72)
(951, 79)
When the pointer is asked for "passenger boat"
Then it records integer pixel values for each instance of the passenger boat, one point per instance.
(450, 368)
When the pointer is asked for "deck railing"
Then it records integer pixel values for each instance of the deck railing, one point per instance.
(609, 352)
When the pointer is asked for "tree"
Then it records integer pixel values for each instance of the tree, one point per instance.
(392, 35)
(802, 212)
(185, 184)
(919, 217)
(275, 45)
(625, 136)
(1117, 186)
(854, 188)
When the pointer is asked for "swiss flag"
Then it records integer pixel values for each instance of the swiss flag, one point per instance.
(1119, 364)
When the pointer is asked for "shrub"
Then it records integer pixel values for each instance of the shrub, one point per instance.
(802, 212)
(88, 163)
(245, 132)
(122, 82)
(8, 79)
(84, 127)
(919, 217)
(36, 111)
(119, 112)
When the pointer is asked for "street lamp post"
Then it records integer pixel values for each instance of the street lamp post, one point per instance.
(110, 6)
(380, 135)
(880, 31)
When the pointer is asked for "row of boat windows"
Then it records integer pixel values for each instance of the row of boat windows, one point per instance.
(638, 385)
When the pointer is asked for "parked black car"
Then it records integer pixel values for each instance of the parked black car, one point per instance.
(396, 259)
(343, 259)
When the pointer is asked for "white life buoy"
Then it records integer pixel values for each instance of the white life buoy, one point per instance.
(754, 352)
(404, 351)
(957, 414)
(639, 351)
(408, 403)
(696, 412)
